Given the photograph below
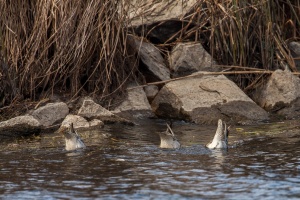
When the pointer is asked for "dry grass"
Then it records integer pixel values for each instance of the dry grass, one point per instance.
(62, 46)
(80, 46)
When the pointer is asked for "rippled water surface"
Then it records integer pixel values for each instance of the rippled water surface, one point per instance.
(124, 162)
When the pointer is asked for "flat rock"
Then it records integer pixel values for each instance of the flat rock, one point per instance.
(280, 95)
(187, 58)
(92, 110)
(80, 123)
(135, 105)
(51, 113)
(146, 12)
(204, 99)
(154, 63)
(20, 126)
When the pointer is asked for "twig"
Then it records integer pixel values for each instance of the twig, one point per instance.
(207, 74)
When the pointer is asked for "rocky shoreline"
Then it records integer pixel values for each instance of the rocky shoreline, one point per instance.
(200, 96)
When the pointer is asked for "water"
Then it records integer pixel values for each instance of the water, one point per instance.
(124, 162)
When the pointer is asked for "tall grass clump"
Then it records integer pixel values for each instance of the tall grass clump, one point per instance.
(66, 46)
(243, 33)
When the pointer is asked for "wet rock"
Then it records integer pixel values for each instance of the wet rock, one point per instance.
(280, 95)
(295, 51)
(51, 113)
(92, 110)
(154, 64)
(80, 123)
(146, 12)
(204, 99)
(151, 91)
(135, 105)
(187, 58)
(20, 126)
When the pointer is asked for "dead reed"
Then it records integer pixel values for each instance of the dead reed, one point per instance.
(62, 46)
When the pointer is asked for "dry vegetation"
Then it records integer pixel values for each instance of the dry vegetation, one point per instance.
(80, 46)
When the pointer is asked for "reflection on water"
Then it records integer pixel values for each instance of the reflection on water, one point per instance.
(123, 162)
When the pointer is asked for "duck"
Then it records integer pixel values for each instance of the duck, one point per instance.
(220, 140)
(168, 139)
(72, 139)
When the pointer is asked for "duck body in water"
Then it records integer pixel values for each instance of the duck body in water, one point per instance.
(220, 140)
(168, 139)
(72, 139)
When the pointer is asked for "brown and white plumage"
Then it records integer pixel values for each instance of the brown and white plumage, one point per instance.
(72, 139)
(168, 139)
(220, 140)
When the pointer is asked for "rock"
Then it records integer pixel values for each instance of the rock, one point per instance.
(80, 123)
(295, 51)
(92, 110)
(154, 64)
(204, 99)
(51, 113)
(135, 105)
(20, 126)
(146, 12)
(280, 95)
(187, 58)
(151, 91)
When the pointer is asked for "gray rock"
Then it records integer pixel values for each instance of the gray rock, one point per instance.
(92, 110)
(187, 58)
(152, 59)
(295, 51)
(280, 94)
(80, 123)
(51, 113)
(151, 91)
(20, 126)
(135, 105)
(205, 99)
(145, 11)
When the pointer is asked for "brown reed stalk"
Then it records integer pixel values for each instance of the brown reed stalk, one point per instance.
(63, 46)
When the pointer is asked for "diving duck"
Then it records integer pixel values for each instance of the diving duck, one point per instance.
(168, 139)
(73, 141)
(220, 140)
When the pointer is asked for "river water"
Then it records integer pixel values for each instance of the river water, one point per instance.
(125, 162)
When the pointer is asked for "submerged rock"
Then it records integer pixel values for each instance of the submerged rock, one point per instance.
(92, 110)
(20, 126)
(51, 113)
(280, 95)
(187, 58)
(80, 123)
(204, 99)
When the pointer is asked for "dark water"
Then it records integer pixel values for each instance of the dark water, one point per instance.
(123, 162)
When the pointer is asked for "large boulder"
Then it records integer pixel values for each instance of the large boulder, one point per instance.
(205, 99)
(187, 58)
(20, 126)
(135, 105)
(51, 113)
(92, 110)
(280, 95)
(153, 62)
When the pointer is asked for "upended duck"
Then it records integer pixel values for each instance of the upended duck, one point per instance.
(220, 140)
(73, 141)
(168, 139)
